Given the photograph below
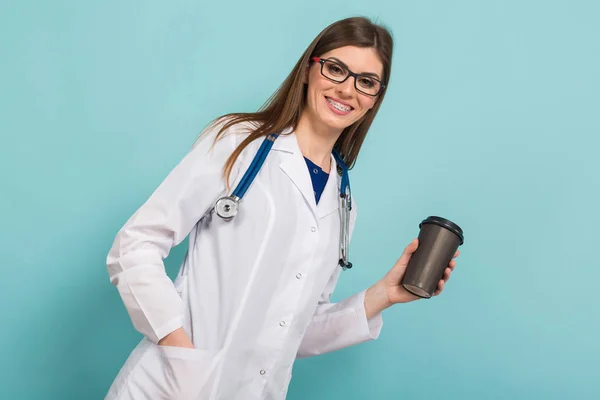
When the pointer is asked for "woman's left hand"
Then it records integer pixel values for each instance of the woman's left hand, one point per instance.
(389, 291)
(395, 291)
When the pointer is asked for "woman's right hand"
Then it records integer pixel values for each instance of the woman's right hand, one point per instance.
(177, 338)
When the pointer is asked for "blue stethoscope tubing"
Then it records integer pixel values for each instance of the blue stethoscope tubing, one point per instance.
(227, 207)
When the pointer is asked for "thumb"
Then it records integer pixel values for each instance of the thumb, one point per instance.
(408, 252)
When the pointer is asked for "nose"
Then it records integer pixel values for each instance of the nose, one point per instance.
(346, 88)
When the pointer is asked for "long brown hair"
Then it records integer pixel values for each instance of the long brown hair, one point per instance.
(283, 109)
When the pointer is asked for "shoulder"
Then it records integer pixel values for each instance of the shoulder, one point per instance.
(225, 133)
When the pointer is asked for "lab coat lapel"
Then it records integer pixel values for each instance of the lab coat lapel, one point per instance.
(294, 166)
(329, 200)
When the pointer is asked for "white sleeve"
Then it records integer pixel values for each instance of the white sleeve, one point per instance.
(335, 326)
(135, 261)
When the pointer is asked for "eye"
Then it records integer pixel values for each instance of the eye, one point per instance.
(335, 69)
(367, 83)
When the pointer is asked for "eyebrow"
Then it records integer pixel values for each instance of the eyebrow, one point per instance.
(345, 66)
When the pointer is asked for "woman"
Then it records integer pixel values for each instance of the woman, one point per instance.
(253, 292)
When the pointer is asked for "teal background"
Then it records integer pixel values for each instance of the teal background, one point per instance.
(491, 120)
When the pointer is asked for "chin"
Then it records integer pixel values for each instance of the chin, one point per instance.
(339, 123)
(335, 122)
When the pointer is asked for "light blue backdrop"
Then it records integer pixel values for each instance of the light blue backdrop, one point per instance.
(491, 120)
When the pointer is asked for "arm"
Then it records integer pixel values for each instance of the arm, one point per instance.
(338, 325)
(135, 261)
(358, 318)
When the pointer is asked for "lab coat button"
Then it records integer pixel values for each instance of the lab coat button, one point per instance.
(313, 229)
(282, 323)
(262, 372)
(298, 275)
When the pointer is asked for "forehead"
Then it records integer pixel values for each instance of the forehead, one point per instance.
(358, 59)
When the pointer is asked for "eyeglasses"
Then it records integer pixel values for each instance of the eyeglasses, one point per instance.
(338, 73)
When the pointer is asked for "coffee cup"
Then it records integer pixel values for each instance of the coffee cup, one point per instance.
(439, 240)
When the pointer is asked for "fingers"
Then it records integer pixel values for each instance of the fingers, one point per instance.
(452, 265)
(447, 272)
(440, 287)
(456, 254)
(442, 282)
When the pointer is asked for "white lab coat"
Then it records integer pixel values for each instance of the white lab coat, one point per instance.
(253, 293)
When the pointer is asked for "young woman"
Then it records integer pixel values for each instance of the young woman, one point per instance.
(253, 292)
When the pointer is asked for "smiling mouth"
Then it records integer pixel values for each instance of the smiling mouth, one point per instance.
(339, 106)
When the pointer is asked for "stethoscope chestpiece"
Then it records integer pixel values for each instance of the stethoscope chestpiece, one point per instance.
(345, 265)
(227, 207)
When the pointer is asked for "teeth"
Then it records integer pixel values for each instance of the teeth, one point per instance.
(338, 106)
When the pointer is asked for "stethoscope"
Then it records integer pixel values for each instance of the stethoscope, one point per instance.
(227, 207)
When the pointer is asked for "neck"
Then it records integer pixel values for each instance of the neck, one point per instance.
(316, 142)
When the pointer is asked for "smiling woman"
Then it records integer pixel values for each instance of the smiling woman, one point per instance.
(351, 53)
(235, 319)
(333, 86)
(336, 71)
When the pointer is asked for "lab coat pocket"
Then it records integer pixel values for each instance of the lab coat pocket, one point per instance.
(188, 372)
(167, 372)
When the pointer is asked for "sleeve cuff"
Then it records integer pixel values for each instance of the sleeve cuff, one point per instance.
(369, 328)
(167, 328)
